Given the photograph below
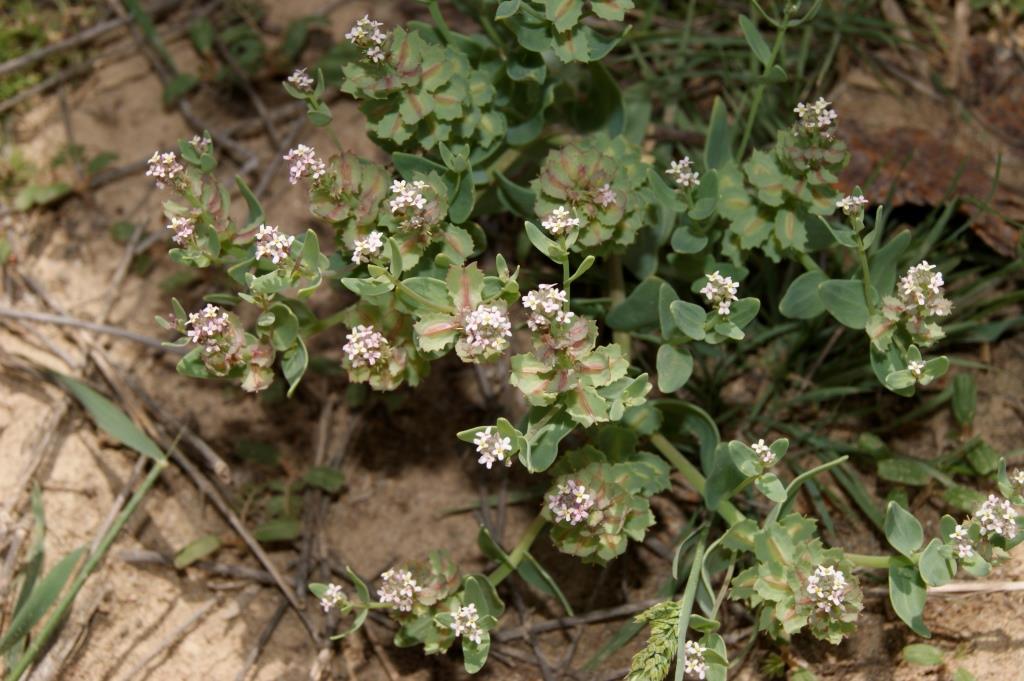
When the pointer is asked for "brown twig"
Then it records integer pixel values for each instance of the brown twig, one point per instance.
(563, 622)
(106, 329)
(147, 557)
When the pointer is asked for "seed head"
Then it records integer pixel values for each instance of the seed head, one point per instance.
(491, 447)
(271, 243)
(720, 292)
(827, 587)
(466, 623)
(365, 347)
(560, 221)
(570, 503)
(398, 589)
(683, 173)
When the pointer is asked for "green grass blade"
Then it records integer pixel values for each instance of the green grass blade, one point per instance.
(41, 598)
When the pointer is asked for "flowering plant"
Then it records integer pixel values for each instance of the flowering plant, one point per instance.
(480, 150)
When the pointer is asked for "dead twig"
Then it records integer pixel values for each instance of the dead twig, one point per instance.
(564, 622)
(105, 329)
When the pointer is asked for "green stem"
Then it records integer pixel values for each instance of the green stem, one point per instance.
(686, 605)
(726, 509)
(516, 557)
(54, 621)
(617, 293)
(565, 267)
(438, 18)
(759, 92)
(881, 562)
(865, 272)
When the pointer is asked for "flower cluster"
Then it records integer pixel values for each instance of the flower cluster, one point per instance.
(1017, 479)
(491, 447)
(368, 36)
(827, 587)
(997, 516)
(201, 143)
(570, 503)
(368, 247)
(409, 204)
(487, 330)
(560, 221)
(304, 163)
(332, 597)
(164, 168)
(208, 327)
(605, 196)
(916, 367)
(962, 541)
(683, 173)
(398, 589)
(764, 452)
(271, 243)
(466, 623)
(546, 305)
(184, 228)
(301, 81)
(720, 291)
(852, 206)
(920, 292)
(365, 347)
(695, 664)
(816, 116)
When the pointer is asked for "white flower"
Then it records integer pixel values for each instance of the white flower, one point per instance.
(368, 35)
(466, 623)
(491, 447)
(201, 143)
(816, 116)
(271, 243)
(827, 587)
(409, 203)
(207, 327)
(547, 305)
(571, 502)
(1017, 478)
(487, 329)
(304, 163)
(332, 597)
(398, 589)
(605, 196)
(695, 665)
(997, 516)
(368, 248)
(764, 452)
(962, 542)
(920, 291)
(365, 346)
(683, 173)
(916, 367)
(164, 168)
(852, 205)
(560, 221)
(301, 81)
(183, 229)
(720, 292)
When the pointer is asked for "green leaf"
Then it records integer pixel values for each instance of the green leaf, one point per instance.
(328, 479)
(885, 261)
(965, 398)
(907, 593)
(755, 41)
(293, 365)
(110, 419)
(255, 209)
(744, 311)
(674, 365)
(844, 299)
(686, 242)
(771, 487)
(802, 300)
(461, 206)
(903, 530)
(179, 86)
(790, 231)
(196, 551)
(564, 14)
(201, 33)
(936, 568)
(506, 9)
(923, 655)
(39, 601)
(904, 471)
(532, 572)
(962, 674)
(278, 529)
(690, 318)
(718, 148)
(409, 164)
(520, 198)
(552, 249)
(640, 308)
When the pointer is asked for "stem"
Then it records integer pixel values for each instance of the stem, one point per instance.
(617, 292)
(516, 557)
(438, 18)
(565, 268)
(862, 255)
(759, 92)
(686, 606)
(867, 561)
(726, 509)
(54, 621)
(799, 480)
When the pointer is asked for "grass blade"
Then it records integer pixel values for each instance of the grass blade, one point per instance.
(41, 598)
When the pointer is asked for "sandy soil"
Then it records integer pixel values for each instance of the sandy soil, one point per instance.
(403, 468)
